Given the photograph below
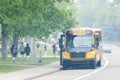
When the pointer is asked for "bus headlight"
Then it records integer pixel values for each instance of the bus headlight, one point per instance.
(66, 55)
(90, 54)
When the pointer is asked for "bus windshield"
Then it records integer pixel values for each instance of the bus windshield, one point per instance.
(75, 41)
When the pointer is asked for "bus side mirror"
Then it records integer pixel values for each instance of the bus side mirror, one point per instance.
(97, 39)
(93, 45)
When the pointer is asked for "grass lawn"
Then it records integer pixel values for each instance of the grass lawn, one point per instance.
(9, 66)
(19, 64)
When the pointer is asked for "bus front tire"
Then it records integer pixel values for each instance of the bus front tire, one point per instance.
(64, 67)
(93, 64)
(99, 63)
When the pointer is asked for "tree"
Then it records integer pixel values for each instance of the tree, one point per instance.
(100, 14)
(36, 18)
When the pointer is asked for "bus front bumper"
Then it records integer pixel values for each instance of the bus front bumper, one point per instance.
(77, 62)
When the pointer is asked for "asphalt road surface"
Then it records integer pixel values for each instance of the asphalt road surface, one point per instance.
(110, 70)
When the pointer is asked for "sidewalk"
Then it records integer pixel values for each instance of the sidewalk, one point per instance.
(28, 74)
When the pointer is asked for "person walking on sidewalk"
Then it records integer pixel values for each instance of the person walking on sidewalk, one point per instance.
(27, 51)
(13, 52)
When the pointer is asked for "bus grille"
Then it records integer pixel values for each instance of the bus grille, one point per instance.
(78, 55)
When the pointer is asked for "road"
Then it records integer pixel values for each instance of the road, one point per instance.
(110, 70)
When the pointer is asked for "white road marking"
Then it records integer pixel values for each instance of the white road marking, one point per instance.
(89, 74)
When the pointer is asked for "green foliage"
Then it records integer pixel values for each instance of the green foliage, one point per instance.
(100, 14)
(37, 18)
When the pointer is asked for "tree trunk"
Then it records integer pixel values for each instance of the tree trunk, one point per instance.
(16, 38)
(4, 44)
(33, 56)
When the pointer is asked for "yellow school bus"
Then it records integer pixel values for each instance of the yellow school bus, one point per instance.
(81, 46)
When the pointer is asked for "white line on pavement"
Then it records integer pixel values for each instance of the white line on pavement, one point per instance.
(91, 73)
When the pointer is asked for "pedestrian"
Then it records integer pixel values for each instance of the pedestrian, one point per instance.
(54, 49)
(13, 52)
(45, 50)
(22, 50)
(27, 51)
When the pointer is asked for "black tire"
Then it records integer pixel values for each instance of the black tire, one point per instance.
(99, 63)
(64, 67)
(93, 64)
